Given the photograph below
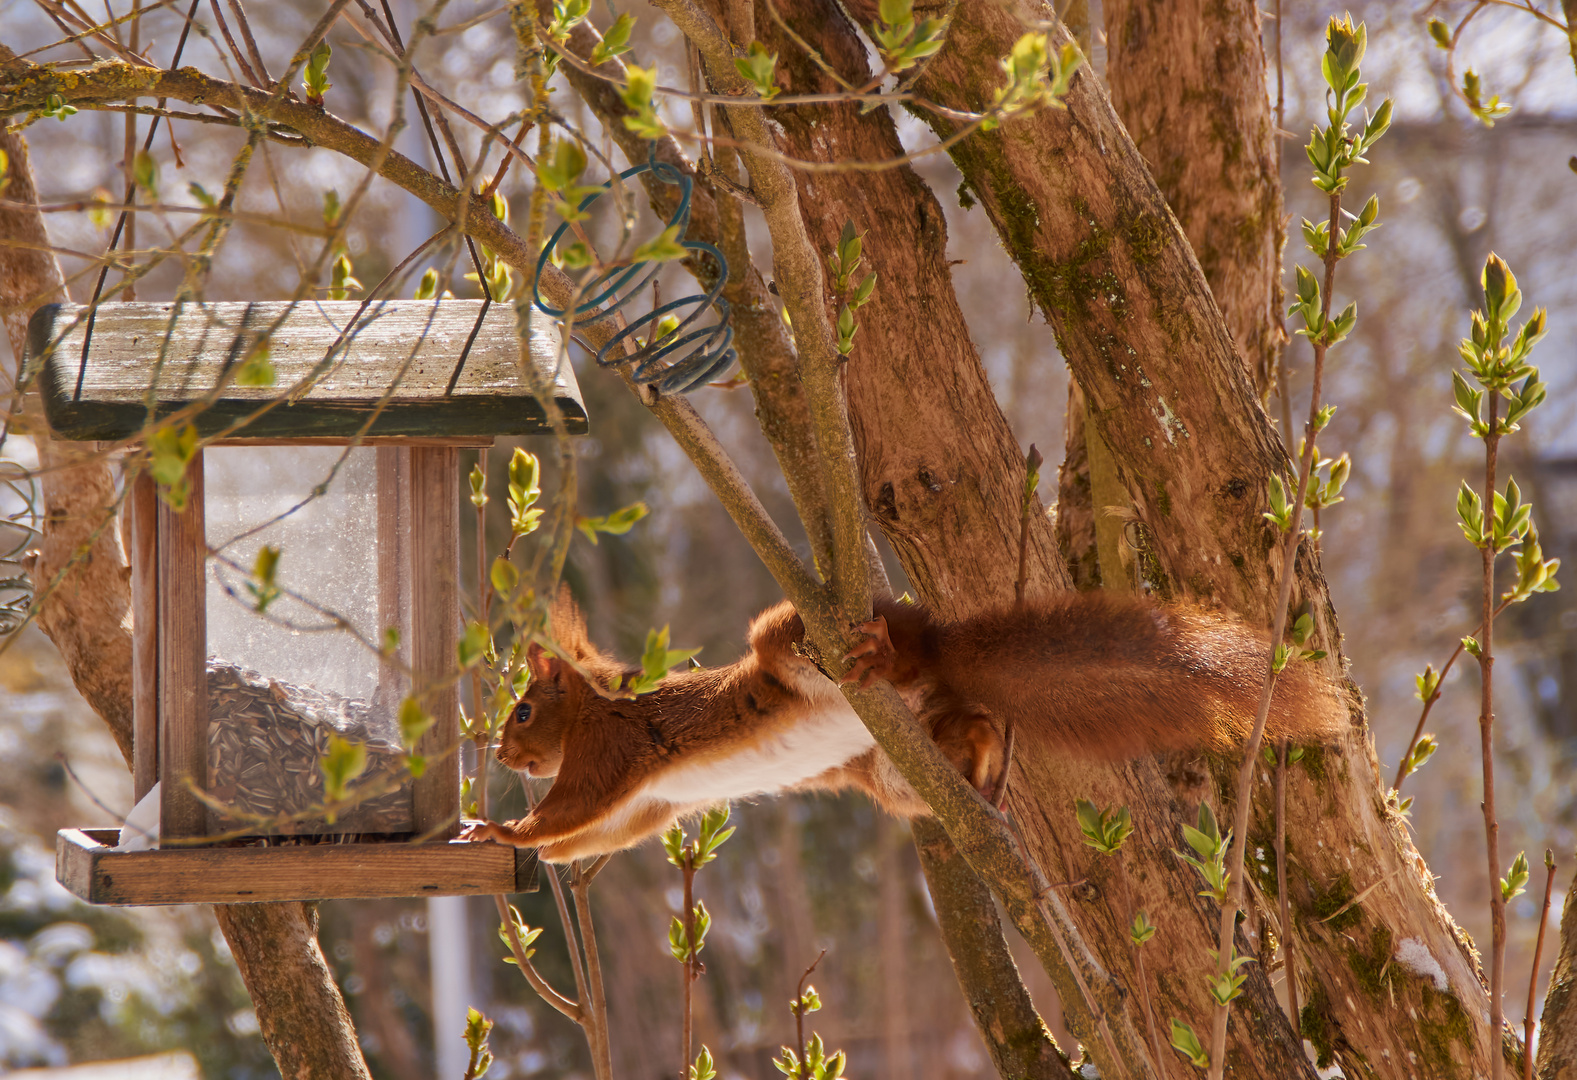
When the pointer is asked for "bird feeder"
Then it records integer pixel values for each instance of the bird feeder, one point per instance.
(347, 461)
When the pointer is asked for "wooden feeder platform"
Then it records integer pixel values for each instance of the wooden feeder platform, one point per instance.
(417, 379)
(89, 867)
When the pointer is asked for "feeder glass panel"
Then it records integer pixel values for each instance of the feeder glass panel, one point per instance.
(284, 681)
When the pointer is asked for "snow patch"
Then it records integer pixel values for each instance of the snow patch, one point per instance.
(1415, 956)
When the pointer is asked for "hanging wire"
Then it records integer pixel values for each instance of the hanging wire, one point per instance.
(680, 361)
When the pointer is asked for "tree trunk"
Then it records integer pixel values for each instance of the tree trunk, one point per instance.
(1557, 1058)
(298, 1004)
(1075, 206)
(940, 468)
(1188, 81)
(84, 612)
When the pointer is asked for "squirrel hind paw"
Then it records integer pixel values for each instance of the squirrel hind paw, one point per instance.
(873, 658)
(977, 750)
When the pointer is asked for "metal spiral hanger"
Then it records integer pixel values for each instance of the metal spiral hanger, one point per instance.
(680, 361)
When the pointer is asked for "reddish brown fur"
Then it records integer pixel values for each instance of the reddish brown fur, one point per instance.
(1104, 675)
(1092, 675)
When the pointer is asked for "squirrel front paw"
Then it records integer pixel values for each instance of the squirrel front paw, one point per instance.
(874, 658)
(506, 833)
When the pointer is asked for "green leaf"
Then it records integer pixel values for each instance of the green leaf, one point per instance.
(615, 40)
(342, 280)
(640, 84)
(341, 763)
(524, 490)
(427, 288)
(56, 106)
(1502, 298)
(169, 451)
(664, 247)
(704, 1068)
(1185, 1042)
(617, 523)
(315, 79)
(331, 208)
(758, 67)
(1142, 930)
(525, 933)
(1428, 683)
(475, 643)
(895, 12)
(1104, 830)
(414, 722)
(561, 169)
(673, 843)
(1440, 32)
(656, 661)
(145, 172)
(503, 576)
(1515, 882)
(262, 586)
(476, 1028)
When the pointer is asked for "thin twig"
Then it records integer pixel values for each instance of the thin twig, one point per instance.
(1418, 729)
(251, 42)
(1288, 958)
(580, 886)
(1486, 729)
(235, 50)
(1533, 976)
(1245, 778)
(690, 974)
(538, 983)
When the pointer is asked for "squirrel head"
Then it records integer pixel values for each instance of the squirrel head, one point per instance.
(558, 696)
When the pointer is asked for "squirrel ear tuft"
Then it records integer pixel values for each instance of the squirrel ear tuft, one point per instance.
(543, 664)
(569, 625)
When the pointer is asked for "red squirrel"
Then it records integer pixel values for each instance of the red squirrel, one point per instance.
(1098, 676)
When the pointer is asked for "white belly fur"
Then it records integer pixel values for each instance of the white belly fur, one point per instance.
(827, 735)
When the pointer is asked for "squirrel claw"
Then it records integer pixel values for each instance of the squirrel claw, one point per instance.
(482, 831)
(872, 658)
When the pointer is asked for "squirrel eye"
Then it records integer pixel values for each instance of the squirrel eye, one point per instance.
(523, 713)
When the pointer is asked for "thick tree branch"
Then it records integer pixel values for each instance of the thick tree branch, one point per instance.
(765, 350)
(1014, 1034)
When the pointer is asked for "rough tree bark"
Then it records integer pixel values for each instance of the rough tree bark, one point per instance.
(1557, 1058)
(1074, 205)
(940, 467)
(901, 350)
(1188, 80)
(85, 615)
(299, 1008)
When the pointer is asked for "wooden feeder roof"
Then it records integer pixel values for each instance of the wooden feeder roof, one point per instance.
(406, 354)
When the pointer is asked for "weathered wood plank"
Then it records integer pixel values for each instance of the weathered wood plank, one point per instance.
(407, 351)
(90, 869)
(142, 532)
(434, 550)
(183, 661)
